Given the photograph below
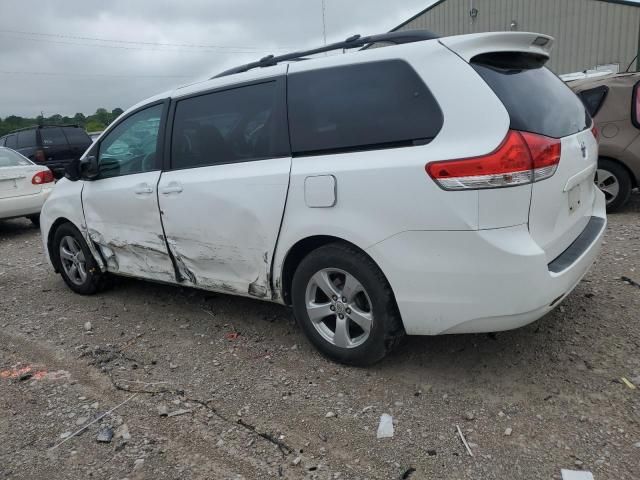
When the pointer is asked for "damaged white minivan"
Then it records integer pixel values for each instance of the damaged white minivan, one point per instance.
(434, 186)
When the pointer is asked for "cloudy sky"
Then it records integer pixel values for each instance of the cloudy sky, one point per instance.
(77, 55)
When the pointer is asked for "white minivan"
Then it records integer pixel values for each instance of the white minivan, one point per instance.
(434, 186)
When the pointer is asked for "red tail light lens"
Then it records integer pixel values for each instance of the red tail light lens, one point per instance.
(45, 176)
(522, 158)
(39, 156)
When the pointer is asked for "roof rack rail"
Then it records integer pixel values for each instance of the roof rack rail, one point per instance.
(355, 41)
(45, 125)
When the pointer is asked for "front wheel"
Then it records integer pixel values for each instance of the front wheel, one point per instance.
(75, 261)
(345, 306)
(615, 182)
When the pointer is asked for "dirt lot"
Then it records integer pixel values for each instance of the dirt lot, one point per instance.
(252, 399)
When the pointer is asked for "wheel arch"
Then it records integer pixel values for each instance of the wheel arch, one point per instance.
(300, 250)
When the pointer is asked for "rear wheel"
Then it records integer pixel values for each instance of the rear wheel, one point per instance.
(76, 263)
(615, 182)
(345, 306)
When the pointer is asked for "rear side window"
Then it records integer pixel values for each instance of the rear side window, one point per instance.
(594, 98)
(360, 107)
(52, 136)
(27, 139)
(76, 136)
(237, 125)
(12, 141)
(536, 99)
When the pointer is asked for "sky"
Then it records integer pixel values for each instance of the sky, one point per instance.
(77, 55)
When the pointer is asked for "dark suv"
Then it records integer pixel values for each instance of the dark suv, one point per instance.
(51, 145)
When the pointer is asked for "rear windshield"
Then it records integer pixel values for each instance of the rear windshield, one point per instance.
(53, 136)
(536, 99)
(9, 158)
(76, 136)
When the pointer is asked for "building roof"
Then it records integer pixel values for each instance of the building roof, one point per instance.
(629, 3)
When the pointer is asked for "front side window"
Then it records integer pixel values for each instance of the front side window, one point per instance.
(360, 107)
(27, 139)
(52, 136)
(131, 146)
(237, 125)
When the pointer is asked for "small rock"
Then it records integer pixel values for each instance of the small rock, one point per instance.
(123, 432)
(163, 410)
(138, 464)
(172, 366)
(88, 327)
(296, 461)
(95, 405)
(105, 434)
(469, 416)
(180, 411)
(330, 415)
(637, 444)
(294, 347)
(65, 435)
(508, 431)
(220, 443)
(385, 428)
(82, 420)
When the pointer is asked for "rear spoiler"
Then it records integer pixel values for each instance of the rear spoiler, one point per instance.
(469, 46)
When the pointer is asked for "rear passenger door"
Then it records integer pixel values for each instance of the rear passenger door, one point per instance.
(223, 198)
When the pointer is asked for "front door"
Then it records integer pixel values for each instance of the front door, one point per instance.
(121, 204)
(223, 199)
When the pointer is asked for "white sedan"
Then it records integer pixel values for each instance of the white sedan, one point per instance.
(24, 186)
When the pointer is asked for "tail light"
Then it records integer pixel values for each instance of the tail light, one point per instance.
(39, 156)
(596, 132)
(45, 176)
(522, 158)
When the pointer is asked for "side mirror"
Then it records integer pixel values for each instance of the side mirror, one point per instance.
(88, 167)
(72, 170)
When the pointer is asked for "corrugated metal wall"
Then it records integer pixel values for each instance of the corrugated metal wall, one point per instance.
(587, 32)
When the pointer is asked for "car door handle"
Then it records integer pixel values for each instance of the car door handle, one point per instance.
(170, 188)
(142, 189)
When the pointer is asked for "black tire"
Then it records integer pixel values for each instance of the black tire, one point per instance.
(95, 279)
(624, 182)
(386, 331)
(35, 219)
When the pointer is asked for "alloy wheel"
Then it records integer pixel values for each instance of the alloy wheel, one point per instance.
(608, 183)
(73, 260)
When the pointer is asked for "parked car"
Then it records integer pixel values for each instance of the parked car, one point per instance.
(94, 135)
(53, 146)
(24, 186)
(375, 194)
(613, 103)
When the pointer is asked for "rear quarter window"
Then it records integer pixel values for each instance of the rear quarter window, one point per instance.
(52, 136)
(360, 107)
(593, 99)
(536, 99)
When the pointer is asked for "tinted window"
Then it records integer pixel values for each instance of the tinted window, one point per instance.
(76, 136)
(131, 146)
(9, 158)
(52, 136)
(27, 139)
(12, 141)
(536, 99)
(242, 124)
(594, 98)
(370, 105)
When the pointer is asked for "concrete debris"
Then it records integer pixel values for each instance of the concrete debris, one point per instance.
(138, 464)
(163, 410)
(123, 432)
(576, 475)
(181, 411)
(88, 327)
(508, 431)
(330, 415)
(385, 428)
(105, 434)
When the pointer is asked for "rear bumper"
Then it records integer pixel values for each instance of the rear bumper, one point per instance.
(479, 281)
(23, 206)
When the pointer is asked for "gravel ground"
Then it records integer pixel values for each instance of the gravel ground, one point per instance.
(248, 397)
